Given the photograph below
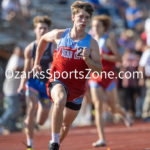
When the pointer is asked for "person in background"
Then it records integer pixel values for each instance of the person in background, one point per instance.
(104, 84)
(10, 86)
(134, 16)
(147, 29)
(144, 67)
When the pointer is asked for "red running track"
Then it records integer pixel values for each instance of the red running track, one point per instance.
(118, 137)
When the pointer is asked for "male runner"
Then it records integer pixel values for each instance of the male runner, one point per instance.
(36, 86)
(76, 51)
(105, 83)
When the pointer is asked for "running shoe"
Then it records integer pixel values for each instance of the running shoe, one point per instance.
(53, 146)
(128, 120)
(99, 143)
(29, 148)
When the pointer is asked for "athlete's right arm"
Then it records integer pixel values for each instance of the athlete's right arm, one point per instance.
(53, 37)
(27, 67)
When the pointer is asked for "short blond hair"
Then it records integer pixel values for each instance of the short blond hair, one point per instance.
(42, 19)
(104, 19)
(77, 5)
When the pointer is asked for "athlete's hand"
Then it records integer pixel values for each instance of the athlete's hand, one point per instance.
(85, 53)
(36, 68)
(20, 90)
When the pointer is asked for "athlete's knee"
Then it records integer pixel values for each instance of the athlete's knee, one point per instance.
(60, 100)
(65, 126)
(27, 122)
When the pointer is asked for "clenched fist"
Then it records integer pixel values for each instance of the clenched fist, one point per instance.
(36, 68)
(85, 53)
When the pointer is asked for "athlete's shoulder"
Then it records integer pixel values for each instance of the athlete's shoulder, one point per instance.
(29, 49)
(58, 33)
(111, 38)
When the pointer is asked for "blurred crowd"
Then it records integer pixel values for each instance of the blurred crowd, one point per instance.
(130, 28)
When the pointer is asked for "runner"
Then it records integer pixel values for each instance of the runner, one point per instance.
(76, 52)
(105, 84)
(36, 87)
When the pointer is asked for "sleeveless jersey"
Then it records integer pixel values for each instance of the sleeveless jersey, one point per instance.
(107, 65)
(104, 80)
(70, 65)
(46, 59)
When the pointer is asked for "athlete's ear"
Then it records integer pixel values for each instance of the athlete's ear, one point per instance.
(34, 30)
(72, 18)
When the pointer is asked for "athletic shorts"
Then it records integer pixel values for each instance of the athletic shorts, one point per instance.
(104, 80)
(108, 86)
(74, 105)
(38, 88)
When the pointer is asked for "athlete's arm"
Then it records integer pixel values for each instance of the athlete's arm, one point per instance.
(92, 57)
(112, 46)
(27, 66)
(53, 37)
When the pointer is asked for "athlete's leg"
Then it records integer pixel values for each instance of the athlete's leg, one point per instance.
(43, 111)
(69, 116)
(113, 102)
(86, 103)
(59, 96)
(31, 101)
(97, 98)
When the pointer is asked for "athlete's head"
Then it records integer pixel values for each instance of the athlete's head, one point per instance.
(81, 13)
(101, 24)
(41, 25)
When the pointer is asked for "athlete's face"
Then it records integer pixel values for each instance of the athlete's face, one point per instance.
(81, 19)
(41, 29)
(97, 27)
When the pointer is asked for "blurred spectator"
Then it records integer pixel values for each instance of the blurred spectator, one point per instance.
(62, 2)
(144, 66)
(130, 81)
(126, 41)
(144, 36)
(10, 86)
(147, 30)
(139, 47)
(10, 8)
(25, 7)
(121, 6)
(100, 9)
(134, 15)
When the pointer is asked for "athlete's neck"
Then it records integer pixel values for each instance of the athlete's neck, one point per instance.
(77, 34)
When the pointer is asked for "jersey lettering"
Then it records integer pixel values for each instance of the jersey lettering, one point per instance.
(66, 53)
(78, 53)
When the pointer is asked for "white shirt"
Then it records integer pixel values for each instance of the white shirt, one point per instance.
(147, 30)
(11, 84)
(145, 62)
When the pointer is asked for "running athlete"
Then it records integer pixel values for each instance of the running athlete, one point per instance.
(105, 83)
(36, 86)
(76, 52)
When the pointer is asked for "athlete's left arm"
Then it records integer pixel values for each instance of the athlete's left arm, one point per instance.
(112, 46)
(92, 57)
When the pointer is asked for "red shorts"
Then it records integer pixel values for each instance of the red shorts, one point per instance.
(104, 80)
